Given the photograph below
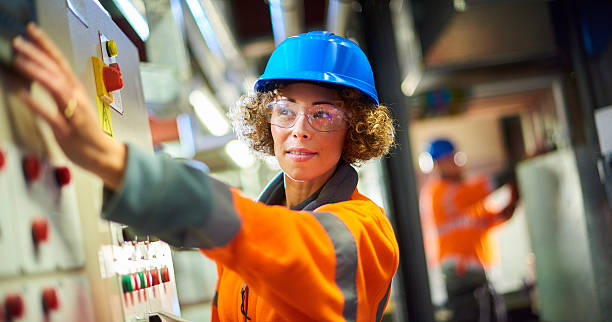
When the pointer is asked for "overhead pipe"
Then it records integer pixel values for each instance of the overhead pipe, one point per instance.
(338, 12)
(287, 18)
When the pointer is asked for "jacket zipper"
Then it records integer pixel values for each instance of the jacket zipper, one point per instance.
(244, 306)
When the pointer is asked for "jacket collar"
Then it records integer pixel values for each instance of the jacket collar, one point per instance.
(338, 188)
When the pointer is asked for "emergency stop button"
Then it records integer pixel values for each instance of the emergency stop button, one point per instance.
(13, 303)
(32, 168)
(40, 230)
(50, 299)
(111, 75)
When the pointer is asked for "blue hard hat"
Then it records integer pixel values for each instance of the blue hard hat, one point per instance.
(440, 148)
(320, 56)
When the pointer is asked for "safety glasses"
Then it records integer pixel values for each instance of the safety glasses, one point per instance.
(322, 117)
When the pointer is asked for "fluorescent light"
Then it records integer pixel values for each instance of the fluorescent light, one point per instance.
(138, 22)
(239, 153)
(208, 113)
(460, 158)
(426, 162)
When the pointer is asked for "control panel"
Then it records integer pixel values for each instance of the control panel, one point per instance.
(60, 261)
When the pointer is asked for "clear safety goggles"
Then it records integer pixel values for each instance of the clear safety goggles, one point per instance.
(323, 117)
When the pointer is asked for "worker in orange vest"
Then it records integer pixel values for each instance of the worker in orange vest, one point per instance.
(457, 218)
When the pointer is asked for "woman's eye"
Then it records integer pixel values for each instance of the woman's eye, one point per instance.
(283, 110)
(322, 115)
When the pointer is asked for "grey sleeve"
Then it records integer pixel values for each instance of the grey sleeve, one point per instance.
(173, 201)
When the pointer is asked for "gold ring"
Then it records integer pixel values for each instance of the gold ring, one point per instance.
(69, 110)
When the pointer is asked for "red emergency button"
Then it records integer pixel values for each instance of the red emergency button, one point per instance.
(62, 176)
(40, 230)
(49, 299)
(165, 274)
(2, 159)
(32, 168)
(13, 303)
(112, 78)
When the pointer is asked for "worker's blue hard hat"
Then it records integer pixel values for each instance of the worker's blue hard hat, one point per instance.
(320, 56)
(440, 148)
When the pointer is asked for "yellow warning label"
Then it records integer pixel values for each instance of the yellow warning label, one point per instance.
(104, 116)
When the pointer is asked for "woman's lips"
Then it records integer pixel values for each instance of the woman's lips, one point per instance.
(300, 155)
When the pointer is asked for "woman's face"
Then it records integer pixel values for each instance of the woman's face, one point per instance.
(304, 153)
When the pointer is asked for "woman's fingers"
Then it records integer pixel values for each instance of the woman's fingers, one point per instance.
(57, 122)
(42, 40)
(54, 84)
(36, 55)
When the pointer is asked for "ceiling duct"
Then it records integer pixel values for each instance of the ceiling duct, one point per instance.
(214, 49)
(287, 18)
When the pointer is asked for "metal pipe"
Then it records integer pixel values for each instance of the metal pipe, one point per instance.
(287, 18)
(338, 12)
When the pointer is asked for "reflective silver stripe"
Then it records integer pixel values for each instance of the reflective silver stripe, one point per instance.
(223, 223)
(346, 260)
(463, 221)
(381, 304)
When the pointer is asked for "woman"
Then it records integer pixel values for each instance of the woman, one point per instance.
(313, 248)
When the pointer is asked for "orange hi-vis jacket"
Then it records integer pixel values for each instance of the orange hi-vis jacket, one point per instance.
(456, 224)
(331, 258)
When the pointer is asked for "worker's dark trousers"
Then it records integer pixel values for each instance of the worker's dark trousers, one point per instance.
(471, 297)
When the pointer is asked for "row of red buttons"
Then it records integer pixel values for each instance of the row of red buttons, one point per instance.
(15, 305)
(142, 280)
(32, 169)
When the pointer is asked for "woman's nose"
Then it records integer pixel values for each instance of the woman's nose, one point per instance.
(301, 128)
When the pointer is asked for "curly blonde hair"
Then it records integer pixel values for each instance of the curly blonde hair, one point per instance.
(370, 132)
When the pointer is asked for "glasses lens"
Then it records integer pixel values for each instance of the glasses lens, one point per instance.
(282, 113)
(322, 117)
(325, 117)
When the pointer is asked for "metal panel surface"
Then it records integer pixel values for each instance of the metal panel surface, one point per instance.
(554, 206)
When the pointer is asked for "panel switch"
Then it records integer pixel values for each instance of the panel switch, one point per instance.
(50, 299)
(62, 176)
(32, 168)
(13, 303)
(40, 230)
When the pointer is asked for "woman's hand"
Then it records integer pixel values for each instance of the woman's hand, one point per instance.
(74, 122)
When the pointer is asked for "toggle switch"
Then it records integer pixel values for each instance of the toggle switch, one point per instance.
(49, 299)
(13, 303)
(40, 230)
(32, 168)
(62, 176)
(165, 273)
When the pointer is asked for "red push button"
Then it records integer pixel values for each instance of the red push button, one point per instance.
(165, 275)
(155, 276)
(32, 168)
(62, 176)
(50, 299)
(2, 159)
(40, 230)
(13, 303)
(112, 78)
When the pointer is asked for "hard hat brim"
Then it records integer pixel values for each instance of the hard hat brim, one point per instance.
(265, 82)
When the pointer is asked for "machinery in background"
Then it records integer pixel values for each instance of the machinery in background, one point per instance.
(61, 262)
